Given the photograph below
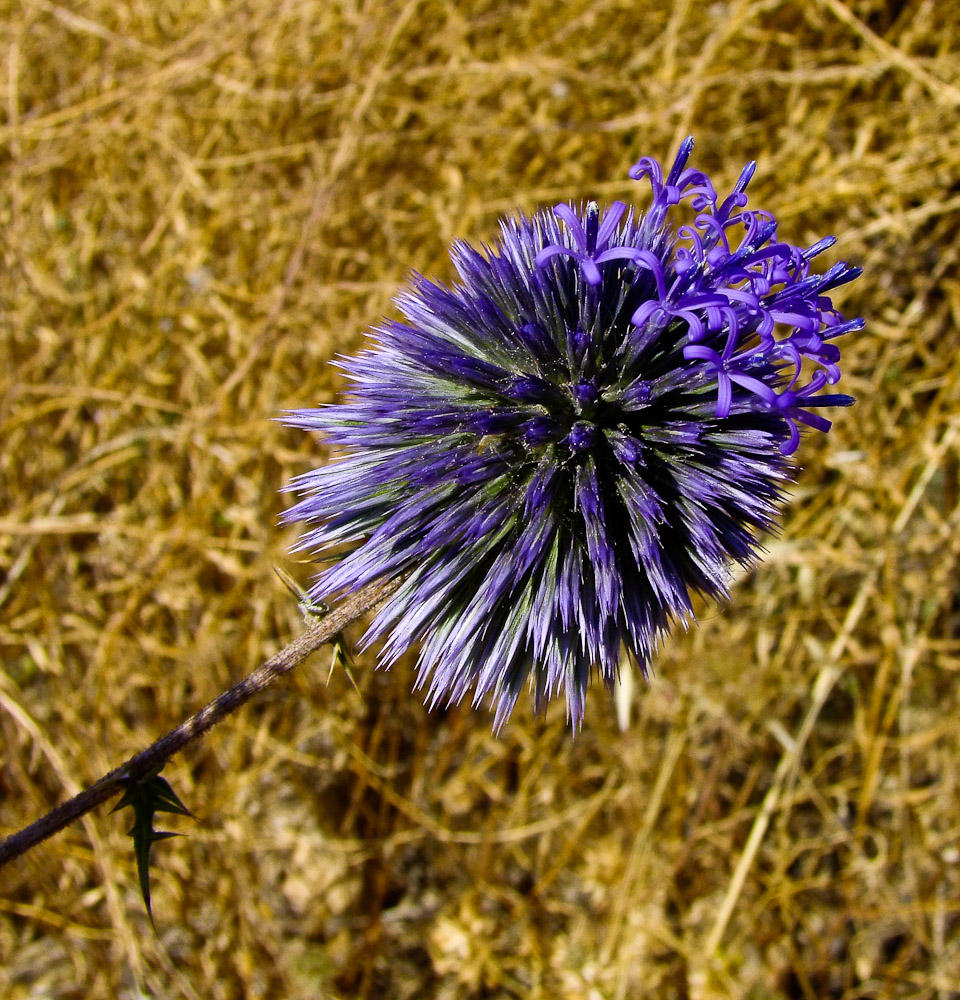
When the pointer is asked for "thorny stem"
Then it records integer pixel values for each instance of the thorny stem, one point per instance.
(151, 759)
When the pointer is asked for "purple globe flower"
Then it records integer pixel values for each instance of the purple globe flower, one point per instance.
(556, 452)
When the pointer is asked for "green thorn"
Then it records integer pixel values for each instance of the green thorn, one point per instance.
(148, 796)
(309, 608)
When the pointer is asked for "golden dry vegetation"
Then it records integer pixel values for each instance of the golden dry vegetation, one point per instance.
(202, 202)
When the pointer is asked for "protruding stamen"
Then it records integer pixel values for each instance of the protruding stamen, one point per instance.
(593, 227)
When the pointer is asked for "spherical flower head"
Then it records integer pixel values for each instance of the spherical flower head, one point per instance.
(556, 452)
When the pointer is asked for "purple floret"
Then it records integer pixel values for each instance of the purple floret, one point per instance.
(556, 452)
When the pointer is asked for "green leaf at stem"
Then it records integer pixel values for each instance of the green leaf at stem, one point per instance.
(148, 796)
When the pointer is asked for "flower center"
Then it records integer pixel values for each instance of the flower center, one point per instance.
(585, 398)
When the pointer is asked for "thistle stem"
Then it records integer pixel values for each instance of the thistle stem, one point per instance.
(151, 759)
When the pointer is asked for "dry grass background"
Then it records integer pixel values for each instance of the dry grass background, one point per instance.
(202, 201)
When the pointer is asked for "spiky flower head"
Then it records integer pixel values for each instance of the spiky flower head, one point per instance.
(554, 453)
